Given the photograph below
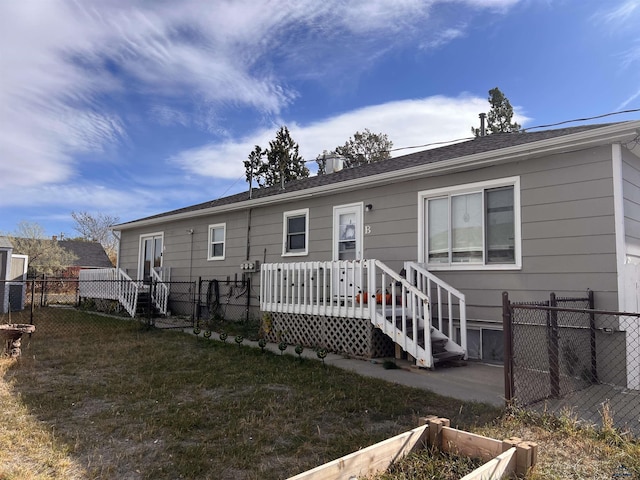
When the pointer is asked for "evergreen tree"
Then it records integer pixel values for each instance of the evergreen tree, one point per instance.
(279, 164)
(500, 114)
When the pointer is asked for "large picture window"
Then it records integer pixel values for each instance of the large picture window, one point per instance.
(470, 226)
(296, 232)
(217, 235)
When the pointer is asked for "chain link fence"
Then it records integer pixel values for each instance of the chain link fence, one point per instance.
(65, 306)
(562, 356)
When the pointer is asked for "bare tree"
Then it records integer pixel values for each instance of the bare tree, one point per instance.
(46, 256)
(97, 228)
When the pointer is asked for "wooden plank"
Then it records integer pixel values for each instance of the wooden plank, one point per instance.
(503, 464)
(375, 458)
(470, 444)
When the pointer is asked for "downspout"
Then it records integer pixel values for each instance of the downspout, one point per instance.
(248, 284)
(248, 234)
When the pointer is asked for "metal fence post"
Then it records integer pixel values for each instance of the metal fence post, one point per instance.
(554, 357)
(592, 332)
(508, 348)
(33, 299)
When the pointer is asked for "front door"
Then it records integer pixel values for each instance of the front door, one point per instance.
(347, 232)
(150, 255)
(347, 246)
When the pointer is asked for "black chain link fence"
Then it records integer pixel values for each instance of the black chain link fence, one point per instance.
(564, 357)
(65, 306)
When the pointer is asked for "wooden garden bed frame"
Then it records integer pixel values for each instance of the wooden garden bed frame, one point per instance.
(502, 457)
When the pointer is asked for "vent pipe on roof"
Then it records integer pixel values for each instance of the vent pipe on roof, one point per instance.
(483, 130)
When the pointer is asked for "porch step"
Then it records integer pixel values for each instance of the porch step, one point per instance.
(145, 306)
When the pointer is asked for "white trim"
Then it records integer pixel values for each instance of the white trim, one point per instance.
(356, 208)
(210, 228)
(468, 188)
(563, 144)
(285, 231)
(618, 213)
(26, 264)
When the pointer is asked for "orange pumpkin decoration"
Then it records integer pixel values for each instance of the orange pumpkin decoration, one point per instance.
(387, 298)
(365, 298)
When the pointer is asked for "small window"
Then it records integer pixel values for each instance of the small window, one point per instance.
(216, 241)
(296, 232)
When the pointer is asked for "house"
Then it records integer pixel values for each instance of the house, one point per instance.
(13, 273)
(434, 236)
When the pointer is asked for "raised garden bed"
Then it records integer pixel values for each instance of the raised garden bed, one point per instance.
(502, 458)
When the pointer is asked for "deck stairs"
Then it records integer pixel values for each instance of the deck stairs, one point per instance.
(405, 314)
(136, 298)
(417, 310)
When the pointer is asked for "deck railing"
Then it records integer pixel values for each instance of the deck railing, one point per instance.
(315, 288)
(111, 284)
(401, 311)
(447, 303)
(159, 292)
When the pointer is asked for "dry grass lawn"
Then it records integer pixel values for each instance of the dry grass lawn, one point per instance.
(97, 397)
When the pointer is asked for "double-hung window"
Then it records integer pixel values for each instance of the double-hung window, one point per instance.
(295, 232)
(217, 240)
(472, 226)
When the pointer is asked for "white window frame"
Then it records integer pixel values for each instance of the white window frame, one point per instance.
(471, 188)
(285, 232)
(210, 242)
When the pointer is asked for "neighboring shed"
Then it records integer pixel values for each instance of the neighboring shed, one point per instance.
(13, 272)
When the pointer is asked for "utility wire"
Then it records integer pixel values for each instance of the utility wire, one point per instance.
(524, 130)
(583, 119)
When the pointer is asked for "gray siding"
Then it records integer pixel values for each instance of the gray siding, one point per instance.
(568, 240)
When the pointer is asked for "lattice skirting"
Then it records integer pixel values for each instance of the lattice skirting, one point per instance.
(350, 336)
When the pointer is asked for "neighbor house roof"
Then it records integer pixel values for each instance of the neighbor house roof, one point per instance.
(5, 244)
(88, 254)
(486, 150)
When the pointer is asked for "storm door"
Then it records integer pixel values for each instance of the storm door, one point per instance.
(347, 244)
(150, 255)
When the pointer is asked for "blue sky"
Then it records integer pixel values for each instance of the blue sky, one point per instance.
(132, 108)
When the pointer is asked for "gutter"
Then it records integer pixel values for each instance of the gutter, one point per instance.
(553, 146)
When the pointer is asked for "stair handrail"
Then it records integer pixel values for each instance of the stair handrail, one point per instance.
(413, 302)
(424, 279)
(160, 292)
(128, 292)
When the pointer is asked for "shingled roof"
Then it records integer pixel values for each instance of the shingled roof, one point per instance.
(88, 254)
(473, 146)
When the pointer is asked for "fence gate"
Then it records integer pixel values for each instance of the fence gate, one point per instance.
(562, 354)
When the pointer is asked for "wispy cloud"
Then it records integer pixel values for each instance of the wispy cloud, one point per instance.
(79, 77)
(620, 13)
